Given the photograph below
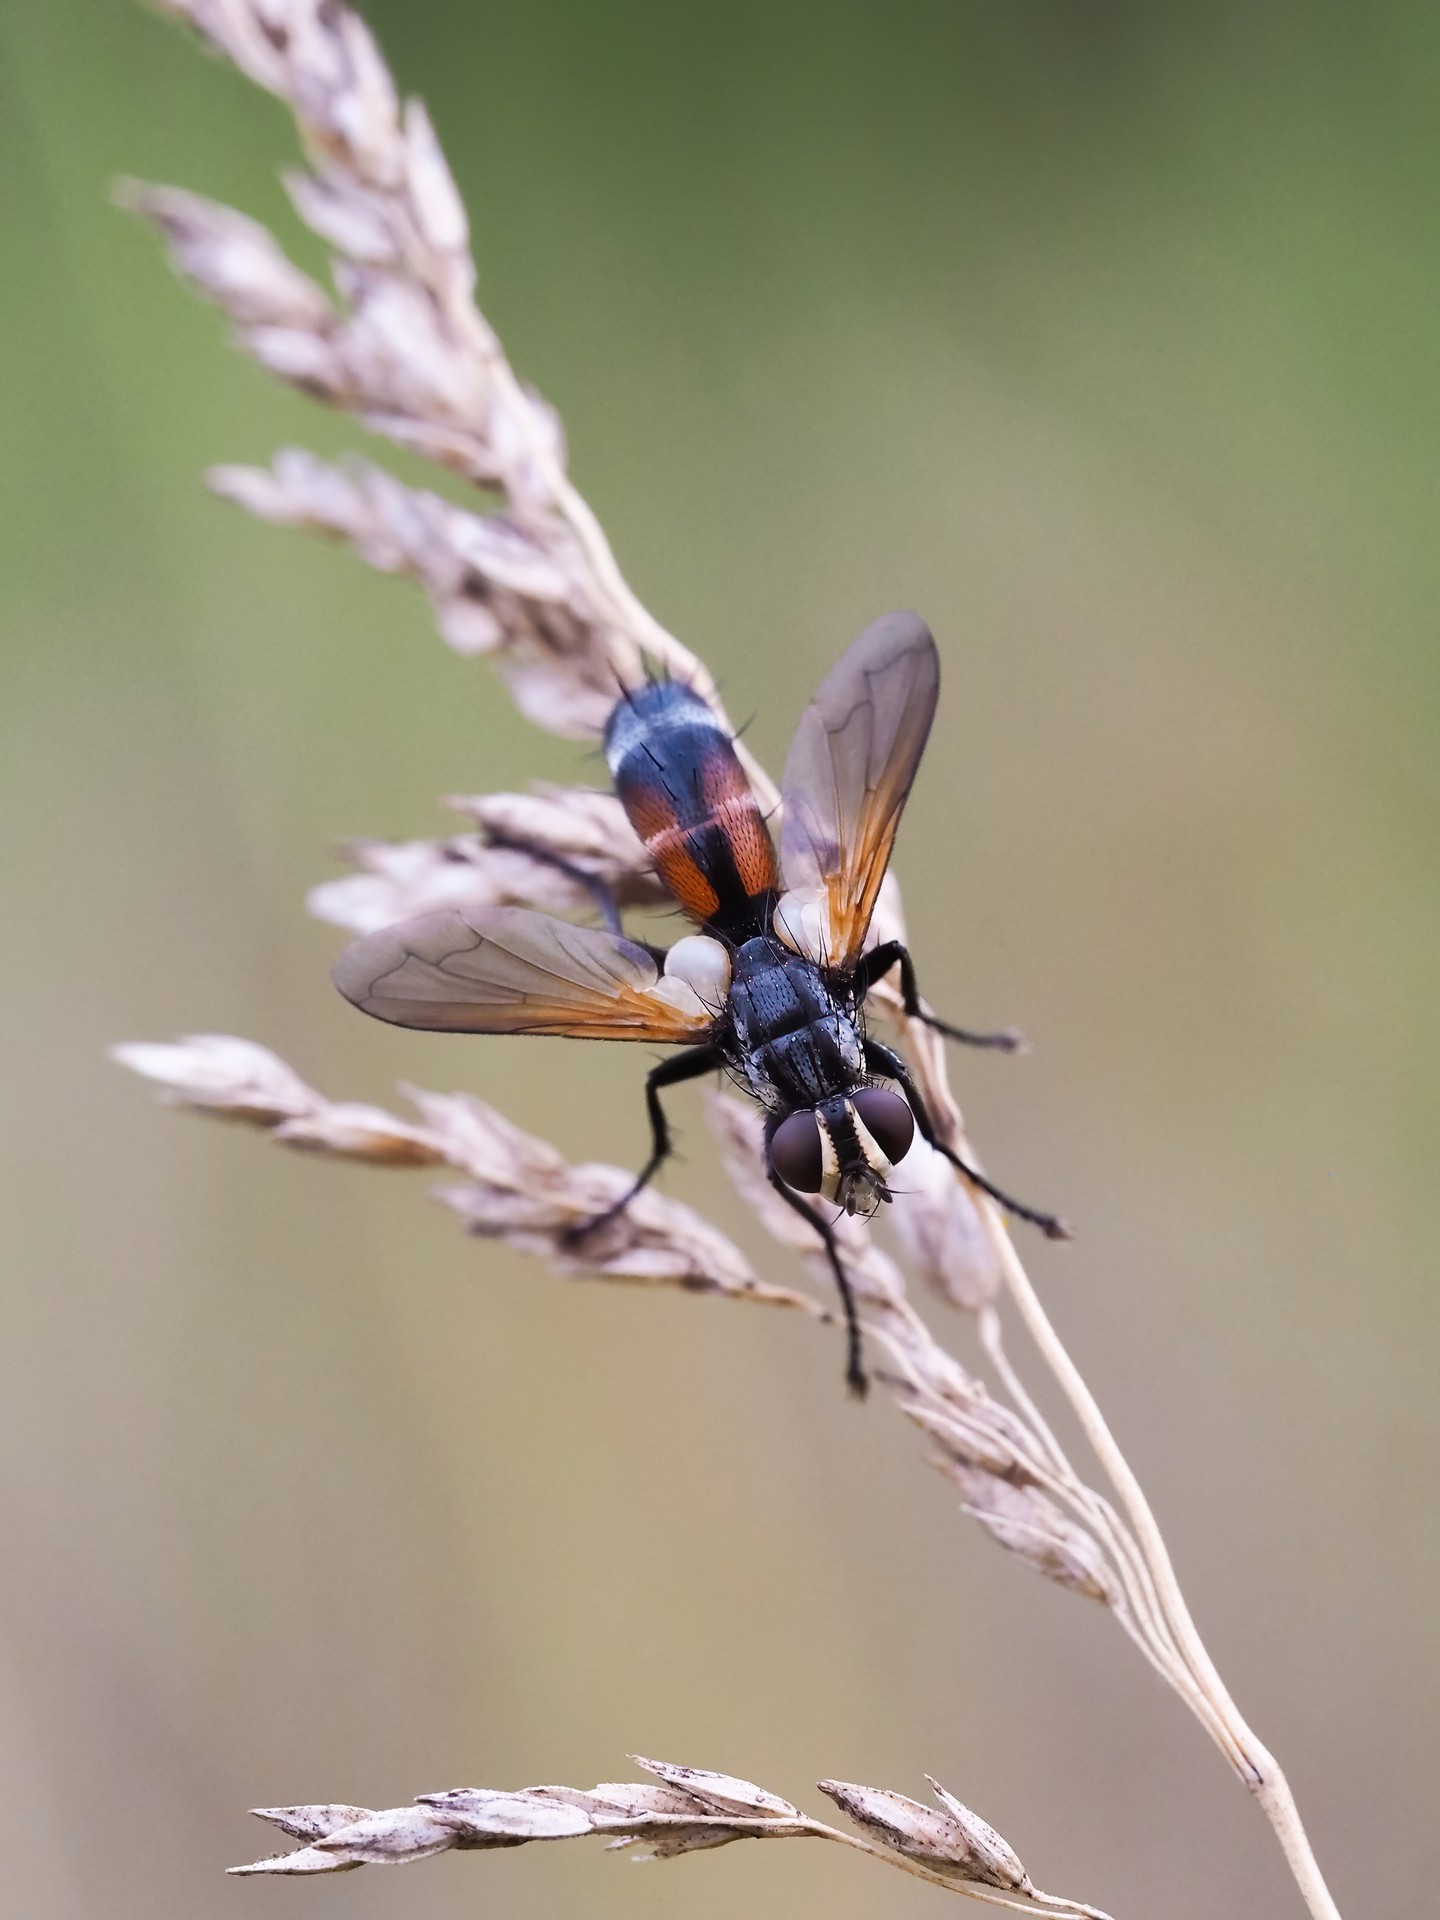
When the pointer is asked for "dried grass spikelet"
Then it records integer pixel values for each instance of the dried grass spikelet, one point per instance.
(678, 1810)
(950, 1837)
(404, 348)
(520, 1190)
(500, 589)
(941, 1233)
(401, 345)
(517, 1188)
(589, 842)
(980, 1444)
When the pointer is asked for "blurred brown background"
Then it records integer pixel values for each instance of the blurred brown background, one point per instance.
(1108, 337)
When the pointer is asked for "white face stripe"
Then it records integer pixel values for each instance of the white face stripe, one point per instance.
(869, 1145)
(830, 1159)
(829, 1164)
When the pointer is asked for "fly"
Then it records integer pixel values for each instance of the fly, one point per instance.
(771, 989)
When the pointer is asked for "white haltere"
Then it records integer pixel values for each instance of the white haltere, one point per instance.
(704, 965)
(802, 923)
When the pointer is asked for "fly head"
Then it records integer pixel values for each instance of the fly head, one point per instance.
(846, 1148)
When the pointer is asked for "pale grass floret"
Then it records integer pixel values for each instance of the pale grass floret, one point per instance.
(679, 1810)
(535, 588)
(587, 831)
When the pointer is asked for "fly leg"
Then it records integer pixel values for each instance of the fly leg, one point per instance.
(600, 891)
(878, 962)
(689, 1065)
(855, 1378)
(883, 1061)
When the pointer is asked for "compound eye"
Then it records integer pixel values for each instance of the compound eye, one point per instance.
(796, 1153)
(887, 1119)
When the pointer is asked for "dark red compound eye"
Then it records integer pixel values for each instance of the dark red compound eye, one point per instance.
(887, 1119)
(796, 1153)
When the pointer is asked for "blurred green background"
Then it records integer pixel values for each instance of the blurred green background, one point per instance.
(1109, 337)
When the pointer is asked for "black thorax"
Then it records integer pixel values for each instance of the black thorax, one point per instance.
(795, 1042)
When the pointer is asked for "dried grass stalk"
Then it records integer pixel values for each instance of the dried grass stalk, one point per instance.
(535, 588)
(517, 1189)
(679, 1810)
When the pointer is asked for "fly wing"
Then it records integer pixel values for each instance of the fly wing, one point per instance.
(508, 970)
(847, 777)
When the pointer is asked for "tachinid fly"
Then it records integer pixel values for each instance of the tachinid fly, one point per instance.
(772, 987)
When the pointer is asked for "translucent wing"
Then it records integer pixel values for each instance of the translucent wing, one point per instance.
(846, 780)
(508, 970)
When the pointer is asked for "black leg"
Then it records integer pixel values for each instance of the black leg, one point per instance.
(600, 891)
(882, 1060)
(879, 961)
(689, 1065)
(855, 1378)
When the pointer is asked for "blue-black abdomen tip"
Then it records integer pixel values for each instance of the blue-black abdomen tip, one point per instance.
(656, 708)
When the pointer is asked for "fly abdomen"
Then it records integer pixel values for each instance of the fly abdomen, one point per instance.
(681, 784)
